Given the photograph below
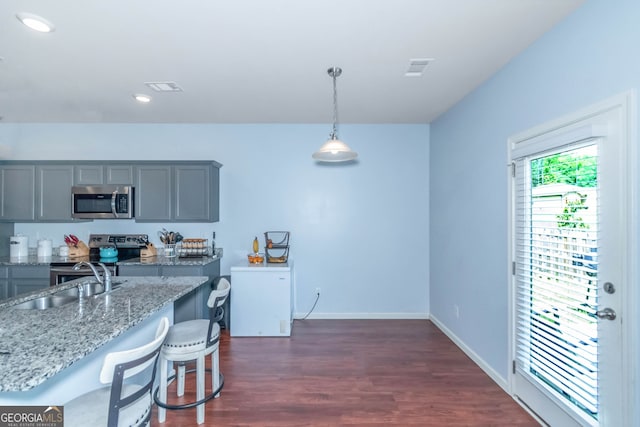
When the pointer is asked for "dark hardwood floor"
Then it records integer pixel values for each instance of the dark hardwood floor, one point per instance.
(351, 373)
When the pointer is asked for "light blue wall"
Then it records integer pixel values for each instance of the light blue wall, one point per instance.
(591, 56)
(360, 232)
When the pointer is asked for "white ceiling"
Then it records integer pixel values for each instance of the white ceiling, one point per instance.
(257, 61)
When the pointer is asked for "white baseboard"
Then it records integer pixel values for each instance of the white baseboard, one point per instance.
(502, 382)
(424, 316)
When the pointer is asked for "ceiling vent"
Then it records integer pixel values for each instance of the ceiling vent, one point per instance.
(417, 66)
(164, 86)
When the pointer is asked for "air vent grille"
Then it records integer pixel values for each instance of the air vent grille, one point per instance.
(164, 86)
(417, 66)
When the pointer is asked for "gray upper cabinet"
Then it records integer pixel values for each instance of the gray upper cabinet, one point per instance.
(54, 192)
(178, 192)
(103, 174)
(183, 191)
(39, 192)
(17, 193)
(88, 175)
(193, 193)
(154, 195)
(119, 174)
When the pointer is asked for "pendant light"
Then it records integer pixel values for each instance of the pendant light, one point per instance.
(334, 150)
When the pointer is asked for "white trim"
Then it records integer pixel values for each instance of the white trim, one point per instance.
(544, 141)
(630, 345)
(493, 374)
(397, 316)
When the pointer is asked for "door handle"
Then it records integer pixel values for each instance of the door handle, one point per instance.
(607, 313)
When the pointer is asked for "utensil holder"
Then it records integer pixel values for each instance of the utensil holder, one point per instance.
(80, 250)
(170, 250)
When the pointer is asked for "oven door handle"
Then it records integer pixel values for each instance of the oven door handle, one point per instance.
(69, 270)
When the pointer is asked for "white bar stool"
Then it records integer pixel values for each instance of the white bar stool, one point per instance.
(194, 340)
(121, 403)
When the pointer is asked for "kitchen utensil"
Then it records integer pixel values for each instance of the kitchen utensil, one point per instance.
(71, 240)
(170, 250)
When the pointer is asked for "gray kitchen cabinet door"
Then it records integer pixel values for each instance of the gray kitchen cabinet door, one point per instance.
(4, 283)
(28, 278)
(53, 199)
(18, 193)
(154, 195)
(194, 304)
(103, 174)
(139, 270)
(88, 175)
(194, 201)
(119, 174)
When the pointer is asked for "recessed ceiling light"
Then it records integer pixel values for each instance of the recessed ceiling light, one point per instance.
(141, 97)
(35, 22)
(417, 66)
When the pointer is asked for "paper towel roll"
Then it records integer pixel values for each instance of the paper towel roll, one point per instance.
(18, 246)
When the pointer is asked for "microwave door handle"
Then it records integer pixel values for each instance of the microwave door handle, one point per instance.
(114, 195)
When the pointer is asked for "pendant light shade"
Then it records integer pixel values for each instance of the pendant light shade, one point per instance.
(334, 150)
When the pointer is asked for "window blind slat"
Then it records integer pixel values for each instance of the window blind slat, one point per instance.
(555, 252)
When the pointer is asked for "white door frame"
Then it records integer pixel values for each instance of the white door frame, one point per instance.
(627, 133)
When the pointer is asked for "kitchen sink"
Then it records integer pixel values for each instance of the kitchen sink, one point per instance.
(49, 301)
(88, 289)
(60, 298)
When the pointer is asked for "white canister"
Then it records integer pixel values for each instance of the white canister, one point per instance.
(63, 250)
(18, 246)
(45, 248)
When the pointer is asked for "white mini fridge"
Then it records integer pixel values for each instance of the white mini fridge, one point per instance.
(261, 300)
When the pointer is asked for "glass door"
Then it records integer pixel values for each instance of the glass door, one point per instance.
(568, 254)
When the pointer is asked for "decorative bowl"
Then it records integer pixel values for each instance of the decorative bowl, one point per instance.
(255, 258)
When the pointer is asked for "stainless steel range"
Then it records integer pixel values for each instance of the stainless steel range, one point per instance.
(128, 246)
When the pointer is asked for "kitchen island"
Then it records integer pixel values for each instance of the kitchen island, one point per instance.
(48, 357)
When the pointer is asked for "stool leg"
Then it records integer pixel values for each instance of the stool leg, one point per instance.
(181, 370)
(200, 387)
(215, 371)
(164, 367)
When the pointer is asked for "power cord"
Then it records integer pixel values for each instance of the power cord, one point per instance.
(314, 306)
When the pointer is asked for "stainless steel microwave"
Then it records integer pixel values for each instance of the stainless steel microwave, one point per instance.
(102, 201)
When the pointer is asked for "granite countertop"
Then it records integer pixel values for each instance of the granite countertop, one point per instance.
(162, 260)
(154, 260)
(37, 344)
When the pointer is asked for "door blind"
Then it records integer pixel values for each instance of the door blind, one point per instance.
(556, 247)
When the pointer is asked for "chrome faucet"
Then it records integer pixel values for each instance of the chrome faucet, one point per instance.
(105, 280)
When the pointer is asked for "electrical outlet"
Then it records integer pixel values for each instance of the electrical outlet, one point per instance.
(317, 291)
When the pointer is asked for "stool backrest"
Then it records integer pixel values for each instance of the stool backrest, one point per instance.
(120, 365)
(219, 295)
(216, 300)
(113, 359)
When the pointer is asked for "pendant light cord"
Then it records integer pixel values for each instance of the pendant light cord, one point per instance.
(335, 72)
